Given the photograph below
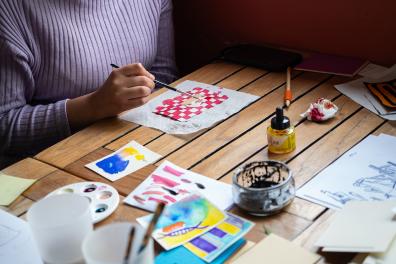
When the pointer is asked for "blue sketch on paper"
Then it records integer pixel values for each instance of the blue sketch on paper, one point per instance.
(343, 197)
(379, 187)
(384, 183)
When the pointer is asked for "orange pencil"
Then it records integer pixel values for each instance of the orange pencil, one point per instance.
(288, 94)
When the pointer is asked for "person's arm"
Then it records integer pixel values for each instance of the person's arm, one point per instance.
(26, 129)
(164, 67)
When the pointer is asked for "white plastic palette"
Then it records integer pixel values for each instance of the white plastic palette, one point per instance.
(103, 198)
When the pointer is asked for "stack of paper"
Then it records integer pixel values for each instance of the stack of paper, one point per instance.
(360, 227)
(357, 90)
(274, 249)
(200, 227)
(367, 172)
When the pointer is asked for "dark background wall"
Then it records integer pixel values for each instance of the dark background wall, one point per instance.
(357, 28)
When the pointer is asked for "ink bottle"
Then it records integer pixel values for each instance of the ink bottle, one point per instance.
(281, 136)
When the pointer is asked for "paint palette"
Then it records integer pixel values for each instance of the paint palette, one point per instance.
(103, 198)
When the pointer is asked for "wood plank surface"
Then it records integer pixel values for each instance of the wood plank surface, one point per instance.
(29, 169)
(255, 140)
(81, 143)
(240, 123)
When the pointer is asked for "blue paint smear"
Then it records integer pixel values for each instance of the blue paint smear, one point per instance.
(113, 164)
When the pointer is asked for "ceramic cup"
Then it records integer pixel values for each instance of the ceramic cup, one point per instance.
(59, 225)
(107, 245)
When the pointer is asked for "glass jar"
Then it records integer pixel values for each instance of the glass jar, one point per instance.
(263, 187)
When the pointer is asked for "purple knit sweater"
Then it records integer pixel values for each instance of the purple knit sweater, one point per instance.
(52, 50)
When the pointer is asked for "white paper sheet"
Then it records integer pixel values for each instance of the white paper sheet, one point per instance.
(124, 161)
(164, 184)
(373, 71)
(360, 226)
(16, 241)
(366, 172)
(357, 91)
(145, 115)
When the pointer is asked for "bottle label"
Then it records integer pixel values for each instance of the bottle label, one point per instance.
(281, 141)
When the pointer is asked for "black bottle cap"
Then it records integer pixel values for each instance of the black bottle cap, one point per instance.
(280, 122)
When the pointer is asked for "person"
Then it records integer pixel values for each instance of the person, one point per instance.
(55, 73)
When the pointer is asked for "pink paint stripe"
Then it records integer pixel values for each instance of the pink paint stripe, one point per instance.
(173, 171)
(161, 180)
(170, 198)
(158, 200)
(153, 192)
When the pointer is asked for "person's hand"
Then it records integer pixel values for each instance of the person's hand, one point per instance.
(125, 88)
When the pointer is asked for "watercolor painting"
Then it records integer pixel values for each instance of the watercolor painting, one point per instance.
(170, 183)
(183, 107)
(185, 220)
(211, 244)
(124, 161)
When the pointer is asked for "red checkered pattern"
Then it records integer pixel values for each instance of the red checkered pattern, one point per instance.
(183, 107)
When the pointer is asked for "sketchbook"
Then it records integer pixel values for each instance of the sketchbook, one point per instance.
(367, 172)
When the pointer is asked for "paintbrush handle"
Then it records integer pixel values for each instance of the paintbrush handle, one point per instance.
(150, 228)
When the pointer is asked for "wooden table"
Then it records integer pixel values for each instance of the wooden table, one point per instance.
(217, 151)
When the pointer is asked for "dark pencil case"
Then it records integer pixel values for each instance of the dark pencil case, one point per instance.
(261, 57)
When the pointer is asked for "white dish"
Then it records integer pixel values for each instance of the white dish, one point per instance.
(103, 198)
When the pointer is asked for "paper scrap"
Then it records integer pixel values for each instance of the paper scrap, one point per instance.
(185, 220)
(367, 172)
(170, 183)
(274, 249)
(213, 243)
(360, 226)
(12, 187)
(124, 161)
(358, 92)
(17, 245)
(373, 71)
(231, 102)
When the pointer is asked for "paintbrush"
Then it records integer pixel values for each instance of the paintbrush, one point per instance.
(288, 92)
(167, 86)
(129, 245)
(150, 228)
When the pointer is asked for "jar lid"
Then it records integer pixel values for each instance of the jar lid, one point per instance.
(280, 122)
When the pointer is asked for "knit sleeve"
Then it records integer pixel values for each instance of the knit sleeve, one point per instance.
(25, 128)
(164, 67)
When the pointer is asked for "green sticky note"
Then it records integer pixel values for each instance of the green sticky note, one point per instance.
(11, 187)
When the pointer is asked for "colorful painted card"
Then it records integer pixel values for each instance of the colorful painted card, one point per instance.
(176, 113)
(186, 220)
(170, 183)
(213, 243)
(183, 107)
(124, 161)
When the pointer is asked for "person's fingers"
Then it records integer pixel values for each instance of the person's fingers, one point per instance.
(135, 92)
(135, 69)
(138, 81)
(135, 102)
